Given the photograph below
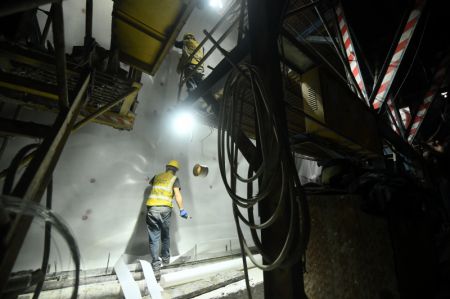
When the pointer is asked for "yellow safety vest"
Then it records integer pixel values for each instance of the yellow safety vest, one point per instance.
(188, 48)
(162, 190)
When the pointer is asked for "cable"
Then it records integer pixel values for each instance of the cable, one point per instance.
(275, 173)
(47, 242)
(16, 205)
(14, 165)
(6, 138)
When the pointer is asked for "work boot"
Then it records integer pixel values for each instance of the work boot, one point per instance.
(156, 266)
(157, 274)
(165, 261)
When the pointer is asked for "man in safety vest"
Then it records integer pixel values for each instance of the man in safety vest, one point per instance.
(188, 67)
(164, 187)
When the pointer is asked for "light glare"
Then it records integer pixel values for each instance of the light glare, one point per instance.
(183, 123)
(216, 4)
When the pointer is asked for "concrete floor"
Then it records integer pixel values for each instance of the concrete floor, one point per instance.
(237, 290)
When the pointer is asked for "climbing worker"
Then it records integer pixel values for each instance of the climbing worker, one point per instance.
(164, 187)
(188, 68)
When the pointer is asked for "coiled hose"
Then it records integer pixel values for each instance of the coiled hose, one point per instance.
(15, 205)
(276, 176)
(45, 213)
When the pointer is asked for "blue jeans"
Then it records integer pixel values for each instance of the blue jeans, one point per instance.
(158, 224)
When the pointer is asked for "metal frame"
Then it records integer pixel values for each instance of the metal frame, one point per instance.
(10, 127)
(438, 80)
(37, 175)
(264, 18)
(9, 7)
(381, 88)
(389, 74)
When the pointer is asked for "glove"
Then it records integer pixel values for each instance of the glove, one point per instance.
(183, 214)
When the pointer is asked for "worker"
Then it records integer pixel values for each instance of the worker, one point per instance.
(188, 68)
(164, 187)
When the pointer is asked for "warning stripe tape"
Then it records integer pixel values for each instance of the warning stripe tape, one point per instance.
(438, 80)
(350, 51)
(396, 59)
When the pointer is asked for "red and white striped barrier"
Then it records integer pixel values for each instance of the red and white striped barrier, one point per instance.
(396, 59)
(438, 80)
(350, 51)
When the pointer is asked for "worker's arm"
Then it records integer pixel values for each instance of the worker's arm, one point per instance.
(179, 200)
(178, 197)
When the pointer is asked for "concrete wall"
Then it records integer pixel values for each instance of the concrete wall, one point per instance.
(100, 179)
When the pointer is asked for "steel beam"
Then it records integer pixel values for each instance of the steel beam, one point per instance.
(103, 109)
(11, 127)
(88, 29)
(36, 177)
(211, 50)
(60, 53)
(46, 29)
(265, 22)
(398, 143)
(222, 19)
(9, 7)
(301, 8)
(79, 125)
(220, 71)
(173, 35)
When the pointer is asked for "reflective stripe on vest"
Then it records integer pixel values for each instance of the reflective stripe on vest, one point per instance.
(162, 190)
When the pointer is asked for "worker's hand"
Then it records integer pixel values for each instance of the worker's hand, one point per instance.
(183, 214)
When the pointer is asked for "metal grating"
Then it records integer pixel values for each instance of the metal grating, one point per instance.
(311, 99)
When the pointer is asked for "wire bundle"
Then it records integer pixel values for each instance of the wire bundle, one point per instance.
(276, 175)
(16, 205)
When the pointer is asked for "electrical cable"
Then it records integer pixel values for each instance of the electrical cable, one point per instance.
(14, 165)
(15, 205)
(47, 242)
(274, 174)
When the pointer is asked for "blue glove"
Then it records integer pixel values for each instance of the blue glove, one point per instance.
(183, 214)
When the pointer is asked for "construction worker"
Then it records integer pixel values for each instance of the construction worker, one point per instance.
(164, 187)
(187, 67)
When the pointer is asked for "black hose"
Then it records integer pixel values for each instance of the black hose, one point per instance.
(47, 240)
(30, 208)
(274, 173)
(14, 165)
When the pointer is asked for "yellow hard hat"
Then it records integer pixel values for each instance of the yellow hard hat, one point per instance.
(188, 36)
(173, 163)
